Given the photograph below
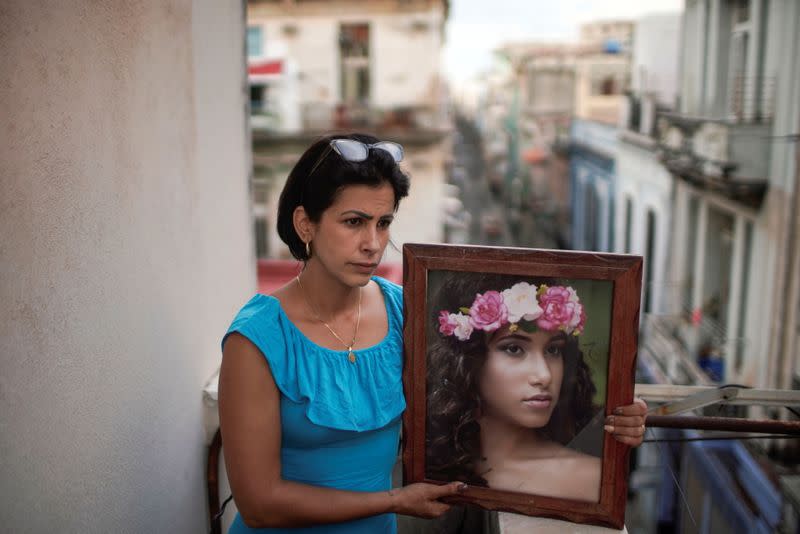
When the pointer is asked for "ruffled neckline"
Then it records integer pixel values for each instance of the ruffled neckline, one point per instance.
(385, 340)
(363, 395)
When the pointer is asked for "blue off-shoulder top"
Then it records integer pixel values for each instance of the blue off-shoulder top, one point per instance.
(340, 421)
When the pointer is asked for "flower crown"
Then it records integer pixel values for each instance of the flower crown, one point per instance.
(552, 308)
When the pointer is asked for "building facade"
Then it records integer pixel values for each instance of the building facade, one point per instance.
(351, 66)
(643, 199)
(725, 308)
(729, 149)
(602, 76)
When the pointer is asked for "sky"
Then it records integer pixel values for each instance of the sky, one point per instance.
(476, 27)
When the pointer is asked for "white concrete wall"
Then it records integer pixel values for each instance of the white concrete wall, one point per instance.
(125, 233)
(314, 48)
(781, 64)
(692, 56)
(419, 219)
(656, 45)
(641, 178)
(407, 62)
(404, 62)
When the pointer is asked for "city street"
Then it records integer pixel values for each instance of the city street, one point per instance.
(488, 224)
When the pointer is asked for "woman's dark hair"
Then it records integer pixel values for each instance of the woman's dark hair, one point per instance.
(318, 190)
(453, 448)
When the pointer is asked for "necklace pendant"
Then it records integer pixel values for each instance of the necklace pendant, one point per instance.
(352, 356)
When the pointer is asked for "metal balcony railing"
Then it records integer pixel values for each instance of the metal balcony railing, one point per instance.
(325, 117)
(752, 98)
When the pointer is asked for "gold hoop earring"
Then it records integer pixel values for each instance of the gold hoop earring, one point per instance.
(308, 249)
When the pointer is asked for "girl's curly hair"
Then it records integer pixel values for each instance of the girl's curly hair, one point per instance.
(454, 367)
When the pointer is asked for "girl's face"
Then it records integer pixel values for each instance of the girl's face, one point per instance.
(521, 378)
(352, 233)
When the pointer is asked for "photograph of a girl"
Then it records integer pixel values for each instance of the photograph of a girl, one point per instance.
(512, 404)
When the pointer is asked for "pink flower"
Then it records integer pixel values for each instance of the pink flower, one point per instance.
(447, 323)
(561, 310)
(488, 312)
(581, 321)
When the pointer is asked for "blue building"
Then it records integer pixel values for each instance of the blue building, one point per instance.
(593, 148)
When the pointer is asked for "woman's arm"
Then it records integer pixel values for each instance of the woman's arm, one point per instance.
(249, 410)
(627, 423)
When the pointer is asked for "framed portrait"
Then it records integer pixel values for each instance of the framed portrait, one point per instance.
(513, 358)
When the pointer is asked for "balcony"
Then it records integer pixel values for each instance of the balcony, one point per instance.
(421, 124)
(752, 99)
(728, 156)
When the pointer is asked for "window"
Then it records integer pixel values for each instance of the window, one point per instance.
(739, 85)
(606, 80)
(628, 224)
(254, 42)
(718, 260)
(649, 257)
(591, 213)
(741, 11)
(262, 237)
(741, 340)
(354, 53)
(691, 245)
(257, 97)
(260, 194)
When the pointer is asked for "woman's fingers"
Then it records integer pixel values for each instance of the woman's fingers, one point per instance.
(438, 508)
(625, 420)
(628, 440)
(628, 423)
(625, 430)
(450, 489)
(421, 499)
(638, 407)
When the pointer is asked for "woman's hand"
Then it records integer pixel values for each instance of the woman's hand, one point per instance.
(421, 499)
(627, 423)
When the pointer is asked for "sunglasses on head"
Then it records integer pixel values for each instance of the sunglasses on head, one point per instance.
(356, 151)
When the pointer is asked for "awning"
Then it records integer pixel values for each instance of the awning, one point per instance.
(265, 67)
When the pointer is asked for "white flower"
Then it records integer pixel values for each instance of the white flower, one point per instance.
(463, 329)
(573, 295)
(520, 300)
(576, 317)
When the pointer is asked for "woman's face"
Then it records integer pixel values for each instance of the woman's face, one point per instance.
(521, 378)
(352, 233)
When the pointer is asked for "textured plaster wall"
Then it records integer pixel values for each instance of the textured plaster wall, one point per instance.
(125, 238)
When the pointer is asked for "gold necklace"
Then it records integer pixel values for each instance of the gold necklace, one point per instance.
(350, 354)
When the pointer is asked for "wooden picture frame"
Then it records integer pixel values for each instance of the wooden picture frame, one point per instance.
(610, 281)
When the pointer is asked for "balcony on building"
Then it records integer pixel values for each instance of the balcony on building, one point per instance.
(638, 116)
(724, 147)
(278, 114)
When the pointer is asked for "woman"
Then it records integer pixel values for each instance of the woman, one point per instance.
(310, 392)
(509, 388)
